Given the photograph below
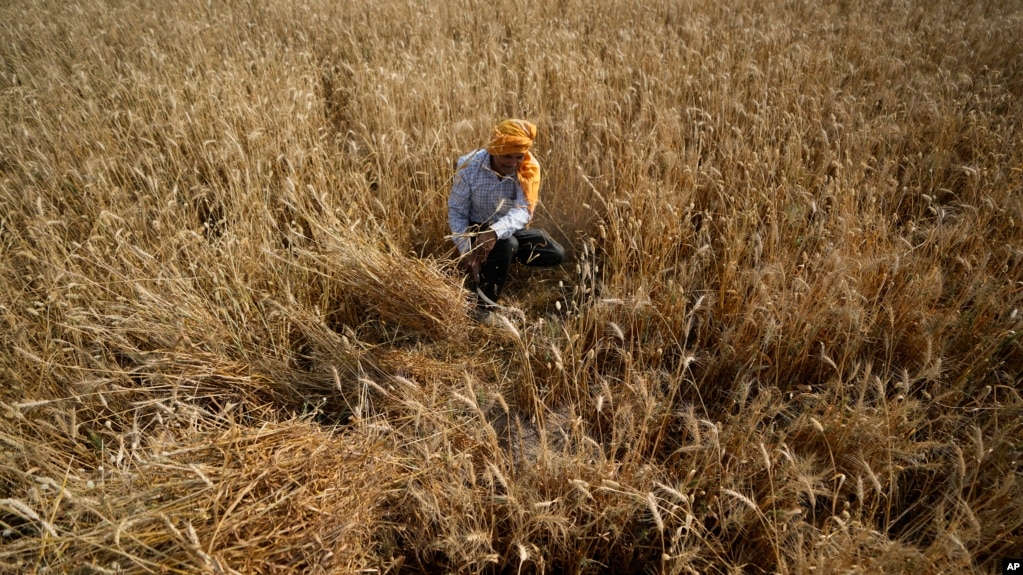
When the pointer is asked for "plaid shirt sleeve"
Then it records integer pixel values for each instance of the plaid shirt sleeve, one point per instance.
(480, 196)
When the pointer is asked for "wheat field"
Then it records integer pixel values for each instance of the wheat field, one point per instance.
(786, 340)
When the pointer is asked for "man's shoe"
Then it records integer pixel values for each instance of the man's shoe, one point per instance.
(492, 320)
(486, 317)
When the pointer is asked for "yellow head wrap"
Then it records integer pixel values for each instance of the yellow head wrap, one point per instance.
(516, 137)
(512, 137)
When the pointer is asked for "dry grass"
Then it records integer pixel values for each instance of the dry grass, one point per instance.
(788, 340)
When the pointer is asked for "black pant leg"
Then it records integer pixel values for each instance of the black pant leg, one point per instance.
(494, 272)
(537, 248)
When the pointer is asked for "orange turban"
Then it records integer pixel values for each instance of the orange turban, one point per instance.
(512, 137)
(516, 137)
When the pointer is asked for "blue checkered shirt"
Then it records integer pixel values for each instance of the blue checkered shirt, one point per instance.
(480, 196)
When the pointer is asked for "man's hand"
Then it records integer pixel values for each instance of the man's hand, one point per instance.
(484, 243)
(470, 264)
(473, 261)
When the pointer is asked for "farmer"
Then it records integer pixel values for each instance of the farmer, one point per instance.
(492, 199)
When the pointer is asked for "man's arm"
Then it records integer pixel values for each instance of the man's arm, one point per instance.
(459, 202)
(515, 219)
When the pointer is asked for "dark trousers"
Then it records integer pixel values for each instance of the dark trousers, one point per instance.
(530, 246)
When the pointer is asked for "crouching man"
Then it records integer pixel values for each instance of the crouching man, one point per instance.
(492, 199)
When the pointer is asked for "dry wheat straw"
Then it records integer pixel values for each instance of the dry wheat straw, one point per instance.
(792, 310)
